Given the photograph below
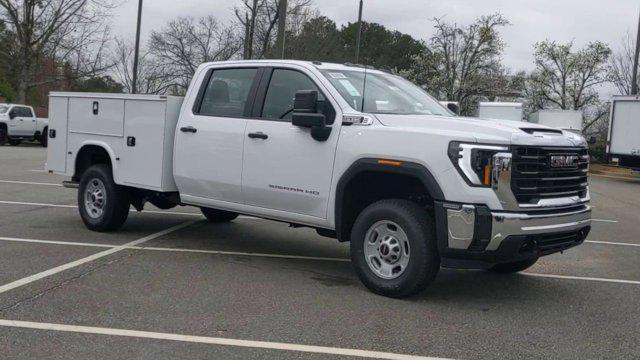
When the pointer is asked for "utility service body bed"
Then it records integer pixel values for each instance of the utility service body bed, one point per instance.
(133, 129)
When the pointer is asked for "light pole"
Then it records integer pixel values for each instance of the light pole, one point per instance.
(359, 36)
(282, 24)
(634, 81)
(134, 87)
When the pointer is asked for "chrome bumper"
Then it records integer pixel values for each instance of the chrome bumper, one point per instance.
(507, 224)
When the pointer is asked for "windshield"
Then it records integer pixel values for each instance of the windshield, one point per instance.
(3, 109)
(383, 93)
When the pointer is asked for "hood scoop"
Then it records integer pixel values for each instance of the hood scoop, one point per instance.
(541, 130)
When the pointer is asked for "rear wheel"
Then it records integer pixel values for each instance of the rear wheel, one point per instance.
(218, 216)
(394, 249)
(103, 205)
(513, 267)
(15, 142)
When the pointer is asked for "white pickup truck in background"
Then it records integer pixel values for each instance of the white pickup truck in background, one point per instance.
(359, 154)
(18, 123)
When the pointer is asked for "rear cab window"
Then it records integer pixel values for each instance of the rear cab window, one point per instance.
(226, 92)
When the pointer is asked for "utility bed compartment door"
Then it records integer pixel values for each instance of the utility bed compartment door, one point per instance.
(96, 116)
(625, 128)
(141, 163)
(57, 146)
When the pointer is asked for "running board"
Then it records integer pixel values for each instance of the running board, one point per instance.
(71, 184)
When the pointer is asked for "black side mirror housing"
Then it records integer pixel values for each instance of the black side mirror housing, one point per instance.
(12, 114)
(454, 108)
(305, 114)
(592, 140)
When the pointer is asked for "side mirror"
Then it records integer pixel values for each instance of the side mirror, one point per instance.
(592, 140)
(305, 114)
(454, 108)
(12, 114)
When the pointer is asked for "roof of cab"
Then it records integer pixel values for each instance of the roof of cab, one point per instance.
(317, 64)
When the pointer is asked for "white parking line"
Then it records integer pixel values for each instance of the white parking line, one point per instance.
(47, 273)
(212, 340)
(29, 183)
(567, 277)
(163, 212)
(606, 221)
(612, 243)
(281, 256)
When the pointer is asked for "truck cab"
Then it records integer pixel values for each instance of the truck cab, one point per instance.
(359, 154)
(18, 123)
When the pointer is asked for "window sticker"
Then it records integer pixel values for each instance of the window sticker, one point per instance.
(349, 87)
(337, 75)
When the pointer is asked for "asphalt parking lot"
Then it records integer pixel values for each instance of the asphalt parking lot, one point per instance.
(170, 285)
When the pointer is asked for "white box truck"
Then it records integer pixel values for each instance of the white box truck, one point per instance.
(623, 143)
(569, 120)
(501, 111)
(377, 163)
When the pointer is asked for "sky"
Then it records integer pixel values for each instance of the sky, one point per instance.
(532, 21)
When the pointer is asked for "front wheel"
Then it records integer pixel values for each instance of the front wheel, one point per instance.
(218, 216)
(103, 205)
(513, 267)
(394, 249)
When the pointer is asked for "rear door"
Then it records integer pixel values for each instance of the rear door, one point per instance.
(210, 137)
(284, 167)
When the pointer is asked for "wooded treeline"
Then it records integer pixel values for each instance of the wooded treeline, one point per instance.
(48, 45)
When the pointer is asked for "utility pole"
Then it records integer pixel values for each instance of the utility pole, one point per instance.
(359, 36)
(634, 81)
(134, 87)
(282, 23)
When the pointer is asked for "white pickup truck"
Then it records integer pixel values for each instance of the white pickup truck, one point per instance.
(359, 154)
(18, 123)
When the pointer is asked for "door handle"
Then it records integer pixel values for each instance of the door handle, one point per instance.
(258, 135)
(189, 129)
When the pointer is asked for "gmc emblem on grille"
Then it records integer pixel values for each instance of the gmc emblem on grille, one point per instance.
(564, 161)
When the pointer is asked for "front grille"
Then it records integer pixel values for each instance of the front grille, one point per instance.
(533, 178)
(545, 244)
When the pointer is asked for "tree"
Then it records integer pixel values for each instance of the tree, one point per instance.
(567, 79)
(318, 40)
(620, 67)
(185, 43)
(463, 63)
(150, 79)
(102, 84)
(381, 47)
(259, 18)
(72, 32)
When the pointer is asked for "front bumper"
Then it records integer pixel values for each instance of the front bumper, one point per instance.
(473, 236)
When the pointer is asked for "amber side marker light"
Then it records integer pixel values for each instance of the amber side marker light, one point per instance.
(487, 175)
(389, 162)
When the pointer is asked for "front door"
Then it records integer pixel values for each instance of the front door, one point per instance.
(24, 123)
(284, 167)
(210, 137)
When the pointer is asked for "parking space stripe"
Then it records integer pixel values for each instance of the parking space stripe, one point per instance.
(47, 273)
(36, 204)
(213, 340)
(29, 183)
(51, 242)
(612, 243)
(568, 277)
(606, 221)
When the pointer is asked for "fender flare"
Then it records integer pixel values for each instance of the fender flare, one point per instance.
(372, 164)
(105, 147)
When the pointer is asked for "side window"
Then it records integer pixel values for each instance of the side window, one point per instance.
(278, 104)
(27, 112)
(227, 92)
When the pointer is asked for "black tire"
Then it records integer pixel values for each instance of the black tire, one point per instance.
(218, 216)
(115, 208)
(44, 137)
(15, 142)
(4, 135)
(423, 258)
(514, 267)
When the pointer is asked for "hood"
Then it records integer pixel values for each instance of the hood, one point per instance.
(484, 130)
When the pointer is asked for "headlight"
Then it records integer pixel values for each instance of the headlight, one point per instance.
(475, 161)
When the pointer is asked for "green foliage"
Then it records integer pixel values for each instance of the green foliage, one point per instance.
(104, 84)
(321, 40)
(7, 91)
